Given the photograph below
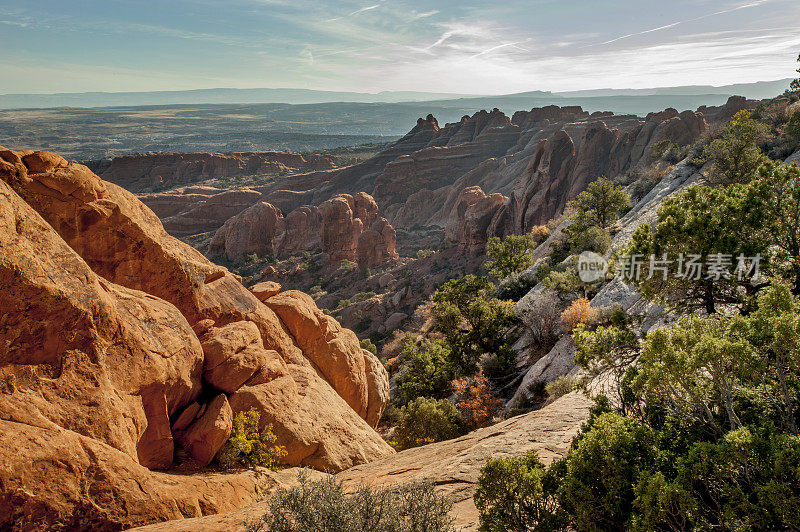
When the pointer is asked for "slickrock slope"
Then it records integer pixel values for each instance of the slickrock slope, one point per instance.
(122, 345)
(152, 171)
(452, 465)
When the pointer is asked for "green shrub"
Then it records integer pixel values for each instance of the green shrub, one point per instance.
(473, 323)
(249, 447)
(512, 254)
(325, 506)
(425, 370)
(424, 253)
(703, 220)
(561, 386)
(661, 148)
(594, 238)
(362, 296)
(600, 204)
(794, 86)
(736, 154)
(426, 421)
(517, 494)
(367, 344)
(602, 469)
(312, 266)
(793, 128)
(515, 286)
(348, 266)
(668, 151)
(565, 282)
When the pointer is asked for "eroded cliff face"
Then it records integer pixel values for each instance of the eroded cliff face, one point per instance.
(537, 161)
(153, 171)
(121, 346)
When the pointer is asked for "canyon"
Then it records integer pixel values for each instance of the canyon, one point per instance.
(128, 351)
(529, 165)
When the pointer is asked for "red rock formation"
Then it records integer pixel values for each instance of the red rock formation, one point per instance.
(151, 171)
(344, 217)
(251, 231)
(207, 429)
(340, 228)
(720, 114)
(470, 218)
(376, 245)
(265, 290)
(454, 150)
(539, 158)
(562, 165)
(302, 228)
(101, 363)
(210, 213)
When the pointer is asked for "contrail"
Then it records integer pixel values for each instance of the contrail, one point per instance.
(737, 8)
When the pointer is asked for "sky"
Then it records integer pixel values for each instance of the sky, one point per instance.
(464, 46)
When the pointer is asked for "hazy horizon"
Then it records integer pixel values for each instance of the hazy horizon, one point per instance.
(420, 92)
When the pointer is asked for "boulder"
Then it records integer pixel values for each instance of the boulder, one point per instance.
(340, 228)
(335, 351)
(206, 435)
(469, 221)
(265, 290)
(395, 320)
(377, 388)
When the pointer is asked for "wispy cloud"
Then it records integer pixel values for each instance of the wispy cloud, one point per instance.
(14, 23)
(705, 59)
(417, 16)
(513, 46)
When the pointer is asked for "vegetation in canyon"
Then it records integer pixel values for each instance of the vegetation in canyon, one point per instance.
(695, 424)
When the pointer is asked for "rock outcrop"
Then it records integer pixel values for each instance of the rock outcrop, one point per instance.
(376, 245)
(469, 221)
(302, 230)
(342, 225)
(537, 160)
(564, 164)
(153, 171)
(196, 210)
(345, 227)
(251, 231)
(351, 230)
(122, 344)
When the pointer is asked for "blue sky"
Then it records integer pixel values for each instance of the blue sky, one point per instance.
(462, 46)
